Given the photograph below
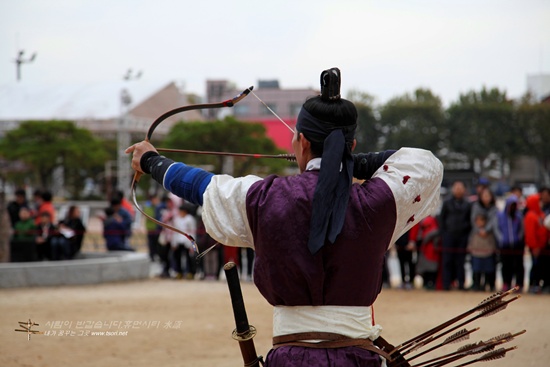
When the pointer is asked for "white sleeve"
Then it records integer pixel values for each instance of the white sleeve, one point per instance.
(414, 176)
(224, 210)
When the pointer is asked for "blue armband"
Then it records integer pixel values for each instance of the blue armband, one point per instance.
(187, 182)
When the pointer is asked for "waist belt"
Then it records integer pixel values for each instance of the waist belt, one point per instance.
(328, 340)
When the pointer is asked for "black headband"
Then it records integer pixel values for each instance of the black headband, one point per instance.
(317, 130)
(331, 196)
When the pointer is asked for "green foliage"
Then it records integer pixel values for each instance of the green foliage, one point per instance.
(533, 122)
(368, 128)
(416, 120)
(46, 145)
(481, 123)
(228, 135)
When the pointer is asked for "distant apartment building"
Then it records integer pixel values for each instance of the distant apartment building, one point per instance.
(286, 103)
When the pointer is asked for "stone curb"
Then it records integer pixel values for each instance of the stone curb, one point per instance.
(93, 268)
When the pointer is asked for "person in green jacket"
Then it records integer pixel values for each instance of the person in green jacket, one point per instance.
(23, 244)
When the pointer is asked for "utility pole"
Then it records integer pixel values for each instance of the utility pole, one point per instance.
(124, 173)
(20, 61)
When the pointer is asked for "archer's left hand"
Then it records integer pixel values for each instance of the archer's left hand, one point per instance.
(138, 150)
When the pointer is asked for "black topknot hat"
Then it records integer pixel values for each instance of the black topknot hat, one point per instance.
(330, 84)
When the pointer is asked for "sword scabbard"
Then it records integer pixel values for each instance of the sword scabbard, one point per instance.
(244, 332)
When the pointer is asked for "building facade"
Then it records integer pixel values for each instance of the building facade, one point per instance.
(97, 107)
(286, 103)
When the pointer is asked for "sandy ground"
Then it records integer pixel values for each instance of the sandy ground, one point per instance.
(188, 323)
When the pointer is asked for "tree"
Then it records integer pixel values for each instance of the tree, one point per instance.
(5, 227)
(46, 145)
(368, 129)
(533, 122)
(416, 120)
(481, 124)
(228, 135)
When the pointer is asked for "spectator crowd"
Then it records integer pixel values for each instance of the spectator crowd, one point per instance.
(472, 232)
(176, 253)
(37, 234)
(467, 232)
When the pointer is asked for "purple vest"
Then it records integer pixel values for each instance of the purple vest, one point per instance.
(346, 273)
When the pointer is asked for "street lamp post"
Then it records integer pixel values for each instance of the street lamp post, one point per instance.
(124, 172)
(123, 141)
(20, 61)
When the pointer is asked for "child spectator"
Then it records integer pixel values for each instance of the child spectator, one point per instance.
(482, 247)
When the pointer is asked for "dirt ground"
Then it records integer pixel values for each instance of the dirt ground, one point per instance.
(189, 323)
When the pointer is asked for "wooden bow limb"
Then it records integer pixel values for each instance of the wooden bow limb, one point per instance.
(227, 103)
(491, 301)
(164, 116)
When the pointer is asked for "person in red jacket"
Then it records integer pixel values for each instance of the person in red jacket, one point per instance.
(426, 236)
(536, 239)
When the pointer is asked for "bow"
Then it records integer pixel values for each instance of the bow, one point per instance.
(137, 175)
(289, 157)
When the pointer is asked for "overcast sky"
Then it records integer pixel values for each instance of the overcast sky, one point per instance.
(385, 47)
